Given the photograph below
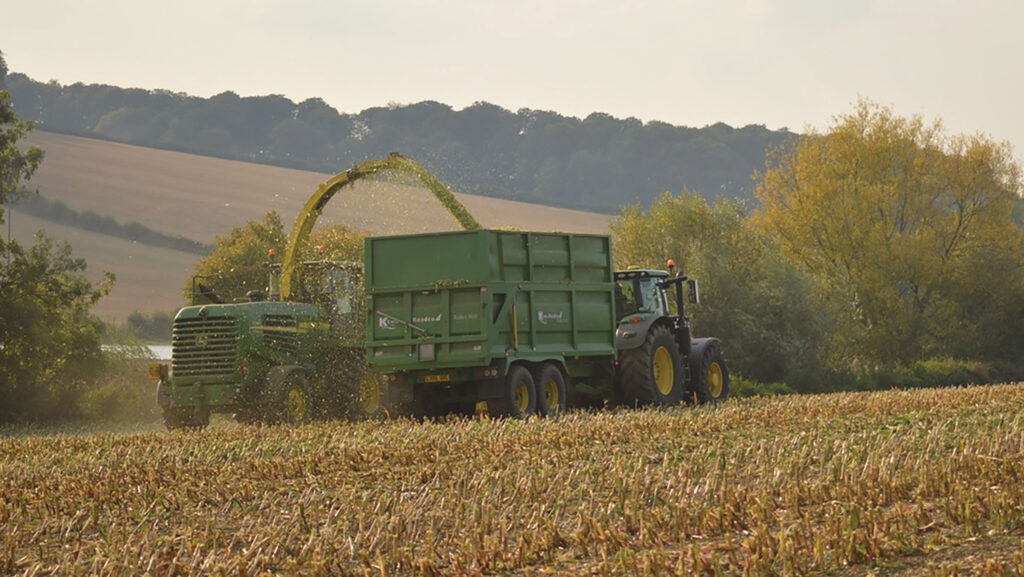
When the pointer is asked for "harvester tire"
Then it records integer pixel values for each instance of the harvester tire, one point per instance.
(712, 379)
(519, 395)
(550, 385)
(293, 399)
(651, 374)
(175, 419)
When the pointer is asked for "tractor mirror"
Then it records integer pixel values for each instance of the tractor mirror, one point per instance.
(694, 291)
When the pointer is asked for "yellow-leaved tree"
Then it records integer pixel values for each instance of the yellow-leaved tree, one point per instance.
(908, 231)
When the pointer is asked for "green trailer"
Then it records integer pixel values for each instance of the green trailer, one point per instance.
(527, 322)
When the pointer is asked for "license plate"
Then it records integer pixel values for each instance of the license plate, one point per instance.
(442, 378)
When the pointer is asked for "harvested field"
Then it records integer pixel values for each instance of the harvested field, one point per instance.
(926, 482)
(201, 198)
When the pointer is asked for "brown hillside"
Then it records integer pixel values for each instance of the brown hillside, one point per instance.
(149, 279)
(201, 198)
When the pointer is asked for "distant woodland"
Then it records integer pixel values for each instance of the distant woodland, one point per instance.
(598, 163)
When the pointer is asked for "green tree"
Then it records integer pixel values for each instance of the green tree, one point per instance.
(51, 342)
(237, 264)
(16, 165)
(151, 327)
(338, 243)
(908, 231)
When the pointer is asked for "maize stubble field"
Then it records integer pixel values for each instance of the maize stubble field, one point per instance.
(923, 482)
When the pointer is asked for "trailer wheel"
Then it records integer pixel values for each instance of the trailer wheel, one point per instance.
(519, 395)
(650, 372)
(713, 378)
(550, 386)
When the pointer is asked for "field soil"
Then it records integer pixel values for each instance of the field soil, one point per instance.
(923, 482)
(202, 198)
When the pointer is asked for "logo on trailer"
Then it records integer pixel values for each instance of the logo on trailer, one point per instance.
(436, 319)
(544, 317)
(387, 323)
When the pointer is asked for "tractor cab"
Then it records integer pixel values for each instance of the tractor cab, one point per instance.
(640, 292)
(647, 297)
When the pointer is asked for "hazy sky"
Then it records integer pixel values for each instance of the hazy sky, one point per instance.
(783, 63)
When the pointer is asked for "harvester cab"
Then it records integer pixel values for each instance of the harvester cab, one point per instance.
(337, 286)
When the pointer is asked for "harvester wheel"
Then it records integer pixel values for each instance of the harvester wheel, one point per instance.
(369, 395)
(293, 401)
(185, 419)
(651, 373)
(550, 386)
(713, 377)
(519, 398)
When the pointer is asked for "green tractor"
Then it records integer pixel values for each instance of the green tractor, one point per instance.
(660, 363)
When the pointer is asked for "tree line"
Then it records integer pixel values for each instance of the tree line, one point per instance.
(597, 163)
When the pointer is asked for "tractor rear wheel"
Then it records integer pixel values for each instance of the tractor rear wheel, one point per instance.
(651, 373)
(712, 379)
(519, 395)
(550, 390)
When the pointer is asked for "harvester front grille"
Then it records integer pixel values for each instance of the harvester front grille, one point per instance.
(280, 333)
(204, 347)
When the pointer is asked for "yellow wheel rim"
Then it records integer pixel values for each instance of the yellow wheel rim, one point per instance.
(521, 397)
(296, 404)
(716, 380)
(664, 372)
(369, 394)
(551, 398)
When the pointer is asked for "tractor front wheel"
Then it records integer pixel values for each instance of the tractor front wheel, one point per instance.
(712, 379)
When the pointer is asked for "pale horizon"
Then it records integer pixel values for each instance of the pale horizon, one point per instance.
(794, 64)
